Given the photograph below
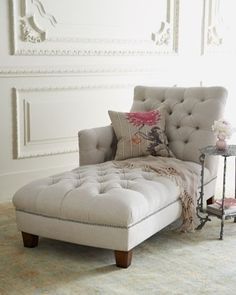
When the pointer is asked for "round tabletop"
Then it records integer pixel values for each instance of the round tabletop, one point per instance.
(213, 150)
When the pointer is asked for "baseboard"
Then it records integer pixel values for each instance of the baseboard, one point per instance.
(11, 182)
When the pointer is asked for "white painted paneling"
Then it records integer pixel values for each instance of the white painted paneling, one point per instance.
(48, 119)
(219, 25)
(105, 27)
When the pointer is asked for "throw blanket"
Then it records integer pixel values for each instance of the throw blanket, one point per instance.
(178, 172)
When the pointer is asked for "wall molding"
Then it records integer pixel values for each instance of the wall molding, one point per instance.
(75, 71)
(29, 35)
(38, 32)
(163, 36)
(77, 87)
(210, 37)
(26, 147)
(213, 39)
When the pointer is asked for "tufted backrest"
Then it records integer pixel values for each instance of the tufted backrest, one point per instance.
(190, 115)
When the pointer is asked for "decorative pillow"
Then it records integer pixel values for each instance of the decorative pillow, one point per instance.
(140, 134)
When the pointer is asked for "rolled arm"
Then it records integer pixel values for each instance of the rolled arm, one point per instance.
(96, 145)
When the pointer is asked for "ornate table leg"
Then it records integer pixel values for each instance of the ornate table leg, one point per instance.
(202, 161)
(223, 201)
(235, 182)
(199, 209)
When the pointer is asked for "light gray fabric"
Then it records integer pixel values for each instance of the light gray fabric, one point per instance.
(117, 238)
(101, 194)
(96, 145)
(101, 205)
(98, 194)
(191, 113)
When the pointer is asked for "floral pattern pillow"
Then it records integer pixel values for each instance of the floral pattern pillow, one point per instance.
(140, 134)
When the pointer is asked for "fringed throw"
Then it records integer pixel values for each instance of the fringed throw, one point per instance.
(181, 174)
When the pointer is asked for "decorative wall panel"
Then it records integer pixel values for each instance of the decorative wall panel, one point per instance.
(82, 70)
(48, 119)
(104, 27)
(218, 27)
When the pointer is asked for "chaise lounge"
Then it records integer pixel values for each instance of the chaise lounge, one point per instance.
(118, 204)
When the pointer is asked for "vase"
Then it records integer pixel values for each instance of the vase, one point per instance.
(221, 144)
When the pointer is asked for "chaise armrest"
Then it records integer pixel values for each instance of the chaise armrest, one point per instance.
(96, 145)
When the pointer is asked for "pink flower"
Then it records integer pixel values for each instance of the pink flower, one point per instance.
(144, 118)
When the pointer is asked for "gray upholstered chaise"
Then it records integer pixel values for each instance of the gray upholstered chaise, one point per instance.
(93, 204)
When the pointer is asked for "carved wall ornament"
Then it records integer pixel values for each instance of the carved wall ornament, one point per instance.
(43, 32)
(213, 38)
(29, 34)
(218, 25)
(43, 13)
(162, 37)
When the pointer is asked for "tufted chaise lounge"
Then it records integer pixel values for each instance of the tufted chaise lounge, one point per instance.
(100, 205)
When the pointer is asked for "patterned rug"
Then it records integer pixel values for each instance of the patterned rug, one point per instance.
(167, 263)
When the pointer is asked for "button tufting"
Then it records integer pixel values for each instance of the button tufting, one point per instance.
(189, 113)
(163, 100)
(177, 127)
(143, 99)
(203, 99)
(197, 128)
(170, 113)
(186, 141)
(182, 100)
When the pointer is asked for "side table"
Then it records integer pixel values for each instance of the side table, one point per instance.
(221, 213)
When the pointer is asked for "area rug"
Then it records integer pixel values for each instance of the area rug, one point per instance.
(167, 263)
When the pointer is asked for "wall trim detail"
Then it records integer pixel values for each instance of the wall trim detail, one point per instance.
(37, 32)
(163, 35)
(212, 38)
(77, 87)
(29, 35)
(26, 147)
(75, 71)
(80, 52)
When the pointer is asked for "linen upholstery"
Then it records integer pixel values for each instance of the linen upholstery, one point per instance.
(140, 134)
(100, 205)
(190, 115)
(98, 194)
(96, 145)
(110, 237)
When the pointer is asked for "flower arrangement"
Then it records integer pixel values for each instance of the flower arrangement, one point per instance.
(223, 130)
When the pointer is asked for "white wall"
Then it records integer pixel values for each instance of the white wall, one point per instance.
(64, 63)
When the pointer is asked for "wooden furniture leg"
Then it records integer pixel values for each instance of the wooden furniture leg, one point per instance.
(123, 258)
(30, 240)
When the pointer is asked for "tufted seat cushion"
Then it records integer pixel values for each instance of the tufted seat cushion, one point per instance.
(100, 194)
